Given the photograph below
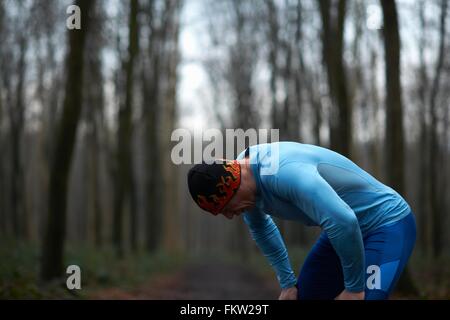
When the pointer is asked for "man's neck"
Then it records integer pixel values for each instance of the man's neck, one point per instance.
(248, 178)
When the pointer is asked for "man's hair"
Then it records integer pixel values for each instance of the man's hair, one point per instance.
(213, 185)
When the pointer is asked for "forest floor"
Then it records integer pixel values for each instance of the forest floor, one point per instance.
(200, 282)
(176, 276)
(225, 280)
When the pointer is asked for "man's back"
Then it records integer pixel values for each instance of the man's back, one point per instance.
(315, 169)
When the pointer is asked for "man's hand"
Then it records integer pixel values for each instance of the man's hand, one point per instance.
(288, 294)
(347, 295)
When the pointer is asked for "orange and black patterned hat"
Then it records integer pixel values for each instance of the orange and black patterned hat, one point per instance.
(213, 185)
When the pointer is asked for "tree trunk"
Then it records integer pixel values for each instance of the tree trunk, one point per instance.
(394, 107)
(153, 179)
(298, 78)
(287, 114)
(343, 99)
(94, 185)
(332, 51)
(133, 52)
(241, 70)
(375, 143)
(3, 217)
(151, 90)
(436, 218)
(53, 245)
(394, 115)
(171, 196)
(95, 104)
(124, 174)
(17, 119)
(273, 57)
(423, 214)
(2, 175)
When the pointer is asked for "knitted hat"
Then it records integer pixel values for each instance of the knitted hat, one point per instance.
(213, 185)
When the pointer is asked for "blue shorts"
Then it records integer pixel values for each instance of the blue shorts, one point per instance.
(387, 250)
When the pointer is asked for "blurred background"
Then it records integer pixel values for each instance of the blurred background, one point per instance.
(86, 118)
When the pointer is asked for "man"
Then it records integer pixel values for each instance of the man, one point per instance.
(368, 229)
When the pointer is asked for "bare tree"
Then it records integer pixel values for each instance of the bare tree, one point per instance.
(2, 186)
(299, 68)
(273, 37)
(333, 22)
(171, 224)
(48, 94)
(423, 188)
(394, 114)
(16, 112)
(124, 175)
(394, 106)
(375, 144)
(242, 64)
(151, 88)
(53, 245)
(94, 101)
(434, 141)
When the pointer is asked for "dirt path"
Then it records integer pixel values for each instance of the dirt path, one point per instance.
(202, 282)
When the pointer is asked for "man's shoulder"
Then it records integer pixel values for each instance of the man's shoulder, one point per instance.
(293, 173)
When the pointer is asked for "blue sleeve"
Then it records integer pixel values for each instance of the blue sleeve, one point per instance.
(302, 185)
(269, 240)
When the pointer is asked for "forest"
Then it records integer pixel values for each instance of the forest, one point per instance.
(87, 117)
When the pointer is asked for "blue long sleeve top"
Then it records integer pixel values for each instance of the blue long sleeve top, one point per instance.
(317, 187)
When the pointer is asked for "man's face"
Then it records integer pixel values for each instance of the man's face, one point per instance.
(235, 207)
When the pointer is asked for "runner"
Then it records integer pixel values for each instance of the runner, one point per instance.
(368, 229)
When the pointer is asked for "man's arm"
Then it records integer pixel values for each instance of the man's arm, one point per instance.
(303, 186)
(268, 238)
